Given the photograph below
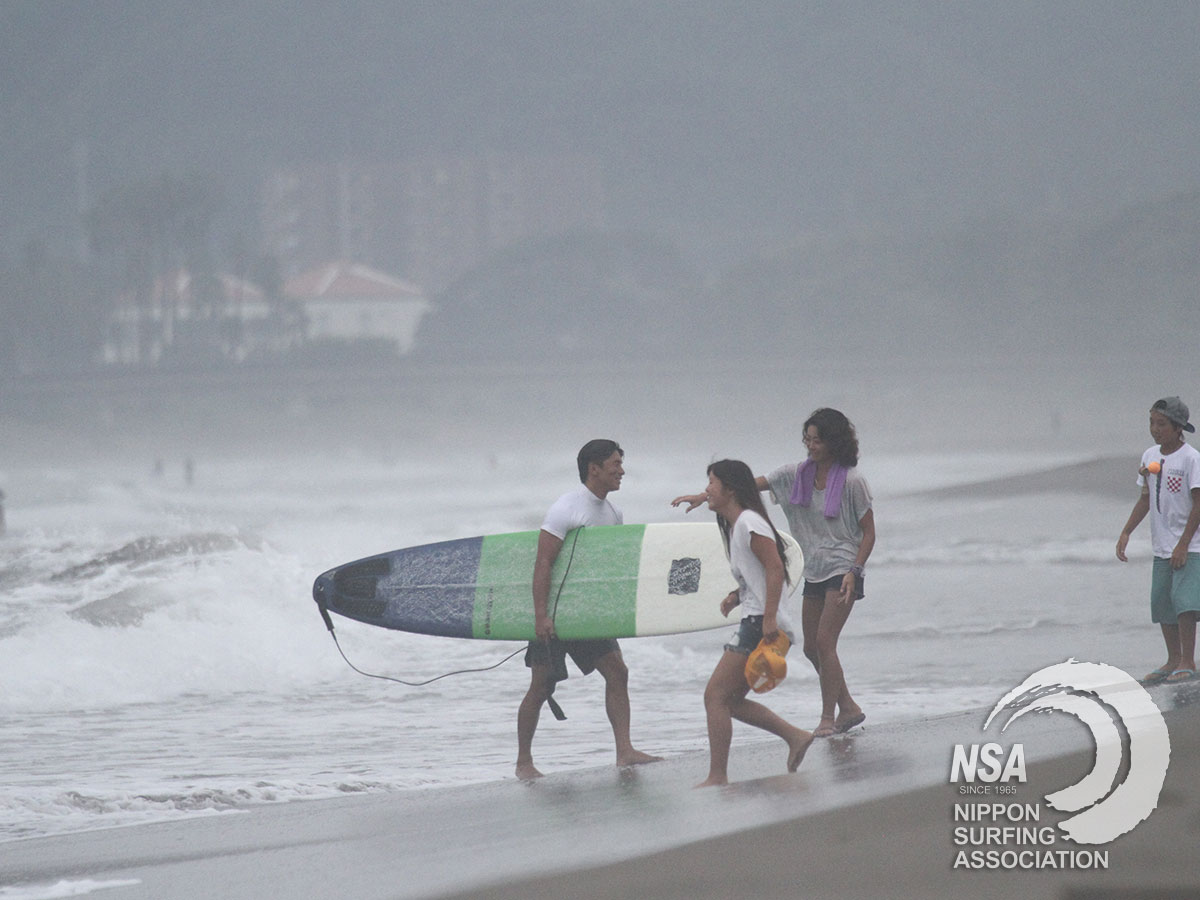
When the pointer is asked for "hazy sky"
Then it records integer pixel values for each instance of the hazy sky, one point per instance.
(706, 115)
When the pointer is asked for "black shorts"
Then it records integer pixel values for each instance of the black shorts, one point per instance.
(585, 654)
(819, 589)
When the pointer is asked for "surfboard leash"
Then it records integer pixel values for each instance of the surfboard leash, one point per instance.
(418, 683)
(566, 572)
(555, 709)
(333, 634)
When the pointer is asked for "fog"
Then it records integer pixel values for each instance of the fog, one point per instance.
(751, 121)
(975, 189)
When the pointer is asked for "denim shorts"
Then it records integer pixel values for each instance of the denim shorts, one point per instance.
(748, 635)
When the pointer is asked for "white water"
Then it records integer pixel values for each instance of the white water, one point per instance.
(161, 656)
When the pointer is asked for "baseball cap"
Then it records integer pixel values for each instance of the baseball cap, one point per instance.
(765, 666)
(1175, 410)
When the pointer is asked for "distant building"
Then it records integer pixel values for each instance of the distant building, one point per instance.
(182, 311)
(204, 319)
(434, 218)
(350, 301)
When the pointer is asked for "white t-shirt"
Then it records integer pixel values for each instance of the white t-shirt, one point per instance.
(748, 571)
(1171, 497)
(579, 507)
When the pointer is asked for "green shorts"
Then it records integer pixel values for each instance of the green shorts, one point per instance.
(1174, 591)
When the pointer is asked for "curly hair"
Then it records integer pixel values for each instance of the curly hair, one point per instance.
(838, 434)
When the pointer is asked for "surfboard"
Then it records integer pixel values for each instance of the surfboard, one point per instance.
(608, 581)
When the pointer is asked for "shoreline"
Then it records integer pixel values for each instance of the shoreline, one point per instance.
(1105, 476)
(901, 846)
(869, 809)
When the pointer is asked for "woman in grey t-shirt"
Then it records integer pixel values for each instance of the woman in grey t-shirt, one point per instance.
(827, 503)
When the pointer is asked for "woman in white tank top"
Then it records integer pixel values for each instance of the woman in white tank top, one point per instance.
(756, 557)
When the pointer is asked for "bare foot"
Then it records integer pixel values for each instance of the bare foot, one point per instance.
(636, 758)
(825, 728)
(797, 748)
(714, 781)
(527, 772)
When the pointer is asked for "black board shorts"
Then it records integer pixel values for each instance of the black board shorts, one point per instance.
(585, 654)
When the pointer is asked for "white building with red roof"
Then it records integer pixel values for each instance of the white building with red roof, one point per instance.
(180, 306)
(350, 301)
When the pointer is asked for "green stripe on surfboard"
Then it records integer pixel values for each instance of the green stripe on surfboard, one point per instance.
(598, 599)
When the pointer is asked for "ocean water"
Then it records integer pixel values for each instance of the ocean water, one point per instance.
(161, 656)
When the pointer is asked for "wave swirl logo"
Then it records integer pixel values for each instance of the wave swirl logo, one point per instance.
(1103, 698)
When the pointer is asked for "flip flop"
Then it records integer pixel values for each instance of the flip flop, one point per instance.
(1180, 675)
(1156, 676)
(852, 722)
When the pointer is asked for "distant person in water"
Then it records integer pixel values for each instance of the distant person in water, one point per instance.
(757, 560)
(829, 511)
(1169, 479)
(601, 469)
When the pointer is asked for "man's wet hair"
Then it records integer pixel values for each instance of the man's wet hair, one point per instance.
(596, 451)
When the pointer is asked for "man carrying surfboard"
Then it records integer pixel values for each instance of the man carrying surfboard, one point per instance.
(601, 469)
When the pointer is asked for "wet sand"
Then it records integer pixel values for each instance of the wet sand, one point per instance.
(901, 847)
(870, 814)
(1110, 476)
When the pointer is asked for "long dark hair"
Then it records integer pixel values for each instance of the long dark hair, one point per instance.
(737, 477)
(838, 433)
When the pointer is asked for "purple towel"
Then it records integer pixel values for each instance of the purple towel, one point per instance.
(805, 483)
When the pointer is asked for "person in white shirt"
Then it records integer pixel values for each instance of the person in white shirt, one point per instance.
(757, 561)
(1173, 468)
(601, 468)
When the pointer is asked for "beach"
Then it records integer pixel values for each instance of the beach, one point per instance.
(309, 300)
(869, 814)
(900, 846)
(178, 723)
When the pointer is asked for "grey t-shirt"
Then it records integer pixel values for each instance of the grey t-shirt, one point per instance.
(830, 545)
